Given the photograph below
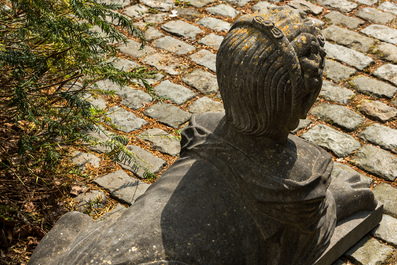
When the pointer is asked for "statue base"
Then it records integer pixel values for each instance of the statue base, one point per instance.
(348, 232)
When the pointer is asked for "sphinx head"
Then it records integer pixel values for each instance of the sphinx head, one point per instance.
(269, 69)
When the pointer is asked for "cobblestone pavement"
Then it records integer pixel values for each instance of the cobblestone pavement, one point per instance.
(354, 117)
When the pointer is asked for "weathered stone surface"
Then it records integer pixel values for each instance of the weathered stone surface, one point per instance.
(122, 186)
(162, 141)
(166, 62)
(306, 7)
(369, 251)
(174, 45)
(93, 198)
(123, 3)
(340, 19)
(340, 144)
(348, 38)
(339, 115)
(152, 80)
(181, 28)
(205, 104)
(81, 159)
(161, 5)
(337, 71)
(168, 114)
(378, 110)
(107, 85)
(155, 18)
(333, 92)
(238, 2)
(123, 64)
(125, 121)
(381, 135)
(201, 3)
(261, 6)
(386, 51)
(374, 87)
(205, 58)
(152, 33)
(114, 214)
(223, 10)
(387, 72)
(388, 7)
(136, 11)
(341, 5)
(189, 13)
(387, 230)
(381, 32)
(135, 98)
(133, 48)
(303, 123)
(212, 40)
(202, 81)
(100, 134)
(367, 2)
(317, 22)
(376, 161)
(386, 194)
(95, 101)
(348, 56)
(143, 162)
(374, 15)
(342, 168)
(214, 23)
(176, 93)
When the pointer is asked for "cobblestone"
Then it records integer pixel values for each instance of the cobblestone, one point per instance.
(339, 115)
(369, 251)
(223, 10)
(238, 2)
(387, 72)
(212, 40)
(136, 11)
(93, 198)
(376, 161)
(333, 92)
(201, 80)
(125, 121)
(337, 71)
(388, 7)
(166, 62)
(135, 99)
(124, 64)
(381, 32)
(162, 141)
(176, 93)
(306, 7)
(381, 135)
(81, 159)
(340, 19)
(174, 45)
(342, 5)
(133, 48)
(373, 87)
(205, 104)
(152, 33)
(214, 23)
(386, 51)
(374, 15)
(168, 114)
(181, 28)
(201, 3)
(388, 196)
(205, 58)
(387, 230)
(160, 5)
(378, 111)
(261, 6)
(340, 144)
(348, 56)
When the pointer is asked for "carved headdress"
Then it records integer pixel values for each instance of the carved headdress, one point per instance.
(269, 69)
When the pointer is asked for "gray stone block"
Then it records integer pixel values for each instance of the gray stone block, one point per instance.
(303, 123)
(348, 38)
(347, 56)
(261, 6)
(387, 230)
(133, 48)
(388, 7)
(125, 121)
(339, 115)
(123, 3)
(136, 11)
(238, 2)
(386, 194)
(340, 19)
(155, 18)
(340, 144)
(386, 51)
(367, 2)
(135, 98)
(166, 62)
(223, 10)
(176, 93)
(341, 5)
(333, 92)
(162, 141)
(215, 24)
(374, 87)
(174, 45)
(381, 32)
(100, 134)
(345, 169)
(387, 72)
(212, 40)
(107, 85)
(81, 159)
(123, 64)
(188, 13)
(201, 80)
(369, 251)
(152, 33)
(201, 3)
(160, 5)
(382, 136)
(94, 197)
(337, 71)
(205, 58)
(95, 101)
(374, 15)
(205, 104)
(114, 214)
(378, 110)
(376, 161)
(122, 186)
(143, 162)
(181, 28)
(168, 114)
(306, 7)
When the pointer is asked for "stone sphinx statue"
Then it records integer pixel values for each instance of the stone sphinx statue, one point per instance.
(244, 190)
